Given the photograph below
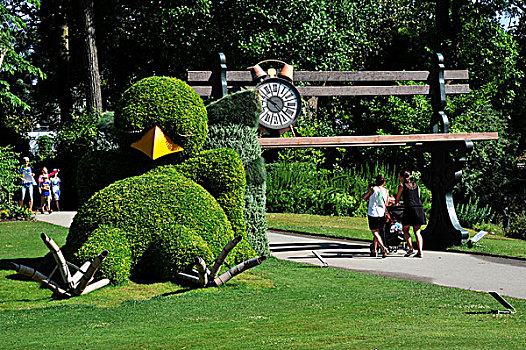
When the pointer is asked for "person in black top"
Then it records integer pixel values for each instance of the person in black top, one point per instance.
(413, 211)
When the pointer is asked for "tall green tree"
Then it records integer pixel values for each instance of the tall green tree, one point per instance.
(17, 72)
(13, 60)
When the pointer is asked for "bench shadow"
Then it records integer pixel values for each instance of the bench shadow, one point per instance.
(330, 250)
(291, 247)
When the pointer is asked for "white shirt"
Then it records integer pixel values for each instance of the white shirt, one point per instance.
(377, 202)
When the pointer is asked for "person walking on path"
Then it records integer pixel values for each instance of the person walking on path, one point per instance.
(45, 187)
(40, 180)
(27, 181)
(55, 188)
(414, 214)
(377, 196)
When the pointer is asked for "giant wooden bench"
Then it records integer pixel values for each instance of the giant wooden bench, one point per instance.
(448, 151)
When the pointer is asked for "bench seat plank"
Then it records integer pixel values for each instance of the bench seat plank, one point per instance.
(373, 140)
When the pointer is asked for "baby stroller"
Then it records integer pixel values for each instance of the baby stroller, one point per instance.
(391, 233)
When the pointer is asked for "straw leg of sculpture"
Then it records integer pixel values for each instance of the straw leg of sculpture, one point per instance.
(208, 278)
(87, 277)
(59, 258)
(78, 284)
(236, 270)
(41, 278)
(202, 271)
(222, 256)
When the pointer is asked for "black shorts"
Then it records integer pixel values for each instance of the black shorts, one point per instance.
(376, 222)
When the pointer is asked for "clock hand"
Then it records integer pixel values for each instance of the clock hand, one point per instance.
(274, 103)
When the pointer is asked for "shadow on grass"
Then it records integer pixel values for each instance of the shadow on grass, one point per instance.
(330, 250)
(5, 264)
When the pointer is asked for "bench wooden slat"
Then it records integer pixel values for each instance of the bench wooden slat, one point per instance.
(399, 90)
(377, 90)
(333, 76)
(373, 140)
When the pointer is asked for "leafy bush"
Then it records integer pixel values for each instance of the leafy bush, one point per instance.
(106, 138)
(79, 136)
(220, 171)
(304, 189)
(233, 122)
(45, 147)
(14, 212)
(9, 175)
(517, 228)
(470, 214)
(166, 102)
(240, 108)
(162, 216)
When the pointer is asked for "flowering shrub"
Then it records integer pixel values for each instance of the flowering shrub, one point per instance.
(9, 209)
(16, 213)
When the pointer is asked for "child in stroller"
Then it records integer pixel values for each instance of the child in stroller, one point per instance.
(391, 233)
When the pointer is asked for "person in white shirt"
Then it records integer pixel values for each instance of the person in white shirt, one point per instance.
(378, 196)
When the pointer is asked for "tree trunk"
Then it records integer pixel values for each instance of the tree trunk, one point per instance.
(2, 54)
(65, 99)
(443, 24)
(93, 91)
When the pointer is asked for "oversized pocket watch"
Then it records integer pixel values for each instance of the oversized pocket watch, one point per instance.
(280, 100)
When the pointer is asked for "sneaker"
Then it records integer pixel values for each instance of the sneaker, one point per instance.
(418, 255)
(50, 211)
(409, 253)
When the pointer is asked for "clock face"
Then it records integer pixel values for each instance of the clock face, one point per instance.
(281, 103)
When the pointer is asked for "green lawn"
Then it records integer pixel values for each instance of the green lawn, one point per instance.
(356, 228)
(279, 304)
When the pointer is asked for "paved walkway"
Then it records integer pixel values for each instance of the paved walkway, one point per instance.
(466, 271)
(60, 218)
(473, 272)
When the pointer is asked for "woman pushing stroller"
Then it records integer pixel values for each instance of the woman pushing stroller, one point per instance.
(413, 211)
(378, 196)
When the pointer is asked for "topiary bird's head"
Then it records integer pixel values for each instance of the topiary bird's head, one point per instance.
(163, 114)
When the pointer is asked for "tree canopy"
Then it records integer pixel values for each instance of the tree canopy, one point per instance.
(134, 39)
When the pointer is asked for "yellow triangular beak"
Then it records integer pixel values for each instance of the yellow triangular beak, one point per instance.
(156, 144)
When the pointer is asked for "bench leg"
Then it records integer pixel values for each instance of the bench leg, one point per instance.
(440, 176)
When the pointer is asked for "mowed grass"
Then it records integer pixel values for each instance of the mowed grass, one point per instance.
(357, 228)
(279, 304)
(334, 226)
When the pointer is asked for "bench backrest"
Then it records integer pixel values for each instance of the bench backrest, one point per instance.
(384, 82)
(436, 83)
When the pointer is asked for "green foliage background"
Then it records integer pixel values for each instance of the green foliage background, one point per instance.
(143, 38)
